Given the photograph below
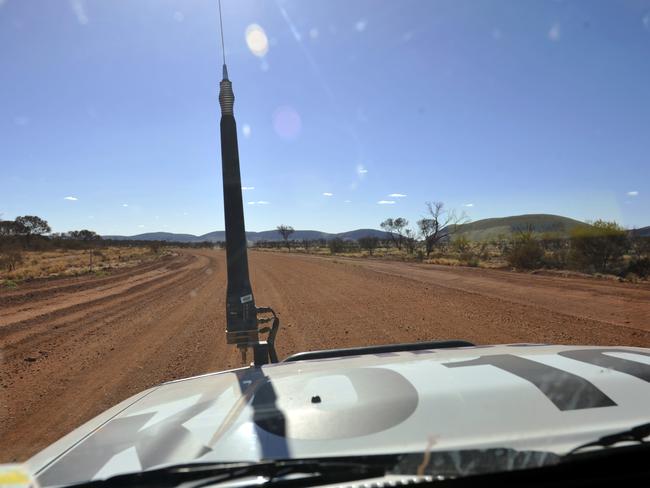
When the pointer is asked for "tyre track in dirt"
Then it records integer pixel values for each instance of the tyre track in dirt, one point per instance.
(134, 332)
(50, 302)
(101, 305)
(42, 288)
(123, 346)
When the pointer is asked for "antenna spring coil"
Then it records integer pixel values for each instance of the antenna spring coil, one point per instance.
(226, 97)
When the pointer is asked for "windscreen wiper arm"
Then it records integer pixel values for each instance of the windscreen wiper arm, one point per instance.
(195, 475)
(635, 434)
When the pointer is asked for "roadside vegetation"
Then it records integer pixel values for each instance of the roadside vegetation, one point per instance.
(601, 248)
(29, 250)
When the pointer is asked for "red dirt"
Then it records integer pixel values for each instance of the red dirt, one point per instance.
(72, 348)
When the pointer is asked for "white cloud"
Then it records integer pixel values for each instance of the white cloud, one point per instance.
(72, 199)
(554, 33)
(246, 130)
(468, 205)
(246, 188)
(361, 25)
(361, 171)
(21, 120)
(125, 204)
(386, 202)
(141, 226)
(347, 201)
(259, 202)
(328, 194)
(397, 195)
(79, 9)
(633, 193)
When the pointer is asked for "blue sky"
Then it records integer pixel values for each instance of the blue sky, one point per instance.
(348, 111)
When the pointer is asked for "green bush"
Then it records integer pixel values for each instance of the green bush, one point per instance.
(461, 244)
(599, 247)
(525, 252)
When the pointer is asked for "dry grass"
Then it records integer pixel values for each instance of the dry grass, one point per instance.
(392, 253)
(59, 263)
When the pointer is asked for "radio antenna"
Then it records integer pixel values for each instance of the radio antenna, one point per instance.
(243, 318)
(223, 48)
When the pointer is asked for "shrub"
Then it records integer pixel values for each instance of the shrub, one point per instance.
(525, 252)
(599, 247)
(640, 267)
(10, 258)
(336, 245)
(368, 243)
(154, 247)
(461, 244)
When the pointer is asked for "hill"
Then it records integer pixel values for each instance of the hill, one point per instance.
(642, 232)
(156, 236)
(486, 229)
(267, 235)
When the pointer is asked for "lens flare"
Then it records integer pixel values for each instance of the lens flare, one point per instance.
(287, 123)
(256, 40)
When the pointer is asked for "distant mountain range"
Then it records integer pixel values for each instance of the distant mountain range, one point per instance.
(642, 232)
(267, 235)
(480, 230)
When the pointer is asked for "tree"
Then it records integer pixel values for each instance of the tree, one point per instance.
(410, 240)
(285, 231)
(369, 243)
(439, 223)
(599, 245)
(395, 228)
(11, 228)
(31, 225)
(88, 238)
(83, 235)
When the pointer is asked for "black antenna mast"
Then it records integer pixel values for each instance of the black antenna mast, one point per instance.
(241, 313)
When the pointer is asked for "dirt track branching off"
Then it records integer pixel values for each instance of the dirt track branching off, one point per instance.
(73, 347)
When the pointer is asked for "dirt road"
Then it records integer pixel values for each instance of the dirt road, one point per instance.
(72, 348)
